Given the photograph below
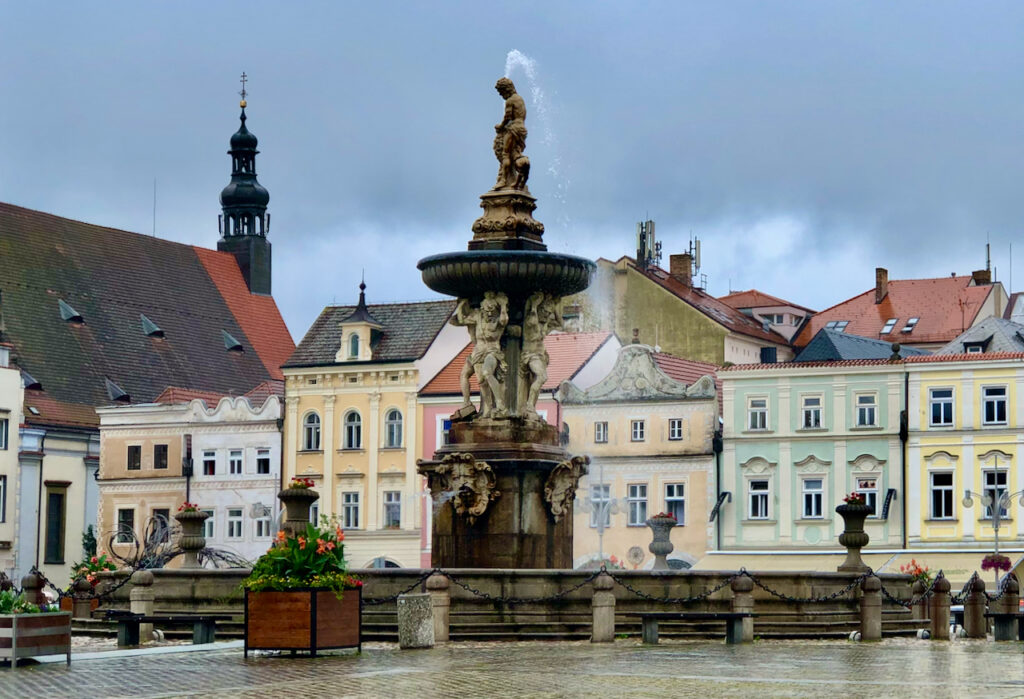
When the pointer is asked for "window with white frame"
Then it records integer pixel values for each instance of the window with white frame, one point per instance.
(675, 429)
(262, 527)
(940, 407)
(393, 428)
(867, 406)
(813, 491)
(636, 500)
(757, 414)
(757, 498)
(868, 487)
(994, 405)
(209, 526)
(392, 509)
(675, 501)
(600, 495)
(234, 523)
(125, 526)
(314, 514)
(209, 463)
(235, 462)
(600, 432)
(889, 326)
(4, 432)
(995, 488)
(811, 412)
(942, 495)
(636, 430)
(350, 510)
(263, 462)
(311, 432)
(353, 430)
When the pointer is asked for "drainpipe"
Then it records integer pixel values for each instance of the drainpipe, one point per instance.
(904, 436)
(39, 496)
(717, 444)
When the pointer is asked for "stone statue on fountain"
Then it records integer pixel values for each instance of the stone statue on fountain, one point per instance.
(486, 325)
(510, 139)
(542, 315)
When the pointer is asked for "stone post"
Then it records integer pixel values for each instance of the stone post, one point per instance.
(440, 601)
(743, 601)
(974, 609)
(1007, 604)
(919, 610)
(603, 606)
(32, 585)
(871, 609)
(939, 610)
(141, 598)
(81, 604)
(415, 621)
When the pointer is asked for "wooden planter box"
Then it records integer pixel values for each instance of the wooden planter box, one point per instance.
(306, 619)
(33, 635)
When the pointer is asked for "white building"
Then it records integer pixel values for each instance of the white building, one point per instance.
(11, 393)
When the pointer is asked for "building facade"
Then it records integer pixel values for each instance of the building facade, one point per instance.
(11, 393)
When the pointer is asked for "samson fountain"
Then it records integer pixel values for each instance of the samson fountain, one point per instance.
(503, 485)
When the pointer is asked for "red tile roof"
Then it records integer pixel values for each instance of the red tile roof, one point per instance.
(804, 365)
(964, 357)
(568, 353)
(174, 394)
(258, 396)
(752, 298)
(688, 371)
(946, 307)
(53, 412)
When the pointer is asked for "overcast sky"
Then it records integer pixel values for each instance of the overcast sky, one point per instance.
(805, 143)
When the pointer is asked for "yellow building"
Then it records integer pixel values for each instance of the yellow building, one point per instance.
(10, 417)
(648, 428)
(351, 420)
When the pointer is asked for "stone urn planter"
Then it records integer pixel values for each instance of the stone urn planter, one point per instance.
(32, 635)
(854, 538)
(297, 502)
(661, 527)
(192, 539)
(306, 619)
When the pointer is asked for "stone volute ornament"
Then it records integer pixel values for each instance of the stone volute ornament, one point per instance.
(560, 487)
(471, 484)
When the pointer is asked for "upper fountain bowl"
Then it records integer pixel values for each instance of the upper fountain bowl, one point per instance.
(516, 272)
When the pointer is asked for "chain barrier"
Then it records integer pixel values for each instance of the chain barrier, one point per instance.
(522, 600)
(674, 600)
(805, 600)
(384, 600)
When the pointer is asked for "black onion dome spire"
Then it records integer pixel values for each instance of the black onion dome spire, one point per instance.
(244, 200)
(362, 313)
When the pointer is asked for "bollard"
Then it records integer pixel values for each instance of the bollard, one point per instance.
(939, 610)
(743, 601)
(81, 605)
(919, 610)
(871, 609)
(141, 598)
(1007, 604)
(974, 609)
(415, 621)
(32, 585)
(603, 607)
(440, 601)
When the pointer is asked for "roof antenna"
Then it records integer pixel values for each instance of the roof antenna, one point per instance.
(154, 207)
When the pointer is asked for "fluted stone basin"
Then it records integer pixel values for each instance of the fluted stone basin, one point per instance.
(515, 272)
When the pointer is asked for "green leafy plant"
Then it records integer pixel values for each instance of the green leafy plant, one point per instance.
(91, 566)
(15, 603)
(313, 559)
(89, 542)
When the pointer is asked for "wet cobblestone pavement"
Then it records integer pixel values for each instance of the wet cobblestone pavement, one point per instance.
(891, 668)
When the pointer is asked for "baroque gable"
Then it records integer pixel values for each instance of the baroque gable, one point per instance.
(812, 464)
(636, 376)
(758, 465)
(866, 462)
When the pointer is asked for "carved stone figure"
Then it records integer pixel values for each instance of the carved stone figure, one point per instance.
(472, 484)
(560, 487)
(542, 315)
(486, 325)
(510, 139)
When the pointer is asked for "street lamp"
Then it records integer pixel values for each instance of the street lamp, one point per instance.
(1002, 500)
(601, 507)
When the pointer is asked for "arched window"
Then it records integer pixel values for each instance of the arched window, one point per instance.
(353, 346)
(311, 432)
(353, 431)
(393, 428)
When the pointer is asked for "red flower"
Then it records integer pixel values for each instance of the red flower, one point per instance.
(302, 542)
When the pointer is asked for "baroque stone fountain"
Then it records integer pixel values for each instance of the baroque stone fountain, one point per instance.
(503, 484)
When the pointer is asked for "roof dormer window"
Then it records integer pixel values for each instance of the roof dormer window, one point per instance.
(149, 327)
(116, 392)
(28, 382)
(68, 313)
(889, 325)
(911, 324)
(837, 325)
(230, 343)
(353, 346)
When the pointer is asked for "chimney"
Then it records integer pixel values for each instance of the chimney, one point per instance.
(881, 283)
(679, 268)
(636, 336)
(981, 277)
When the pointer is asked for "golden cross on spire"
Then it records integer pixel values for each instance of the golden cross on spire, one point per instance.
(243, 93)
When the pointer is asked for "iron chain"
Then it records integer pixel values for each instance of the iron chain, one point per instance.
(673, 600)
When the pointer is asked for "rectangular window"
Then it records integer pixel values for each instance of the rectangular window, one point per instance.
(392, 509)
(813, 492)
(159, 456)
(134, 458)
(314, 514)
(263, 462)
(446, 432)
(125, 526)
(162, 524)
(757, 414)
(889, 325)
(758, 499)
(911, 324)
(636, 430)
(235, 523)
(811, 412)
(636, 499)
(868, 487)
(675, 501)
(995, 489)
(209, 463)
(55, 514)
(994, 399)
(866, 408)
(600, 496)
(940, 407)
(600, 432)
(4, 432)
(675, 429)
(209, 526)
(262, 527)
(3, 499)
(350, 510)
(942, 496)
(235, 462)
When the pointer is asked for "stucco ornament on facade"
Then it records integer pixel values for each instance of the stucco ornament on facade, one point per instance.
(560, 487)
(812, 464)
(866, 463)
(636, 376)
(758, 465)
(470, 484)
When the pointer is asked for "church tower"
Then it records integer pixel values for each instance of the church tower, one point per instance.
(245, 223)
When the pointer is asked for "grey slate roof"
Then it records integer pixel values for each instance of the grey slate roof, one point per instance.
(407, 331)
(995, 334)
(829, 345)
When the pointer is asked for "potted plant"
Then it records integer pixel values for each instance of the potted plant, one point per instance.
(193, 535)
(28, 630)
(661, 546)
(83, 583)
(300, 596)
(854, 511)
(995, 561)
